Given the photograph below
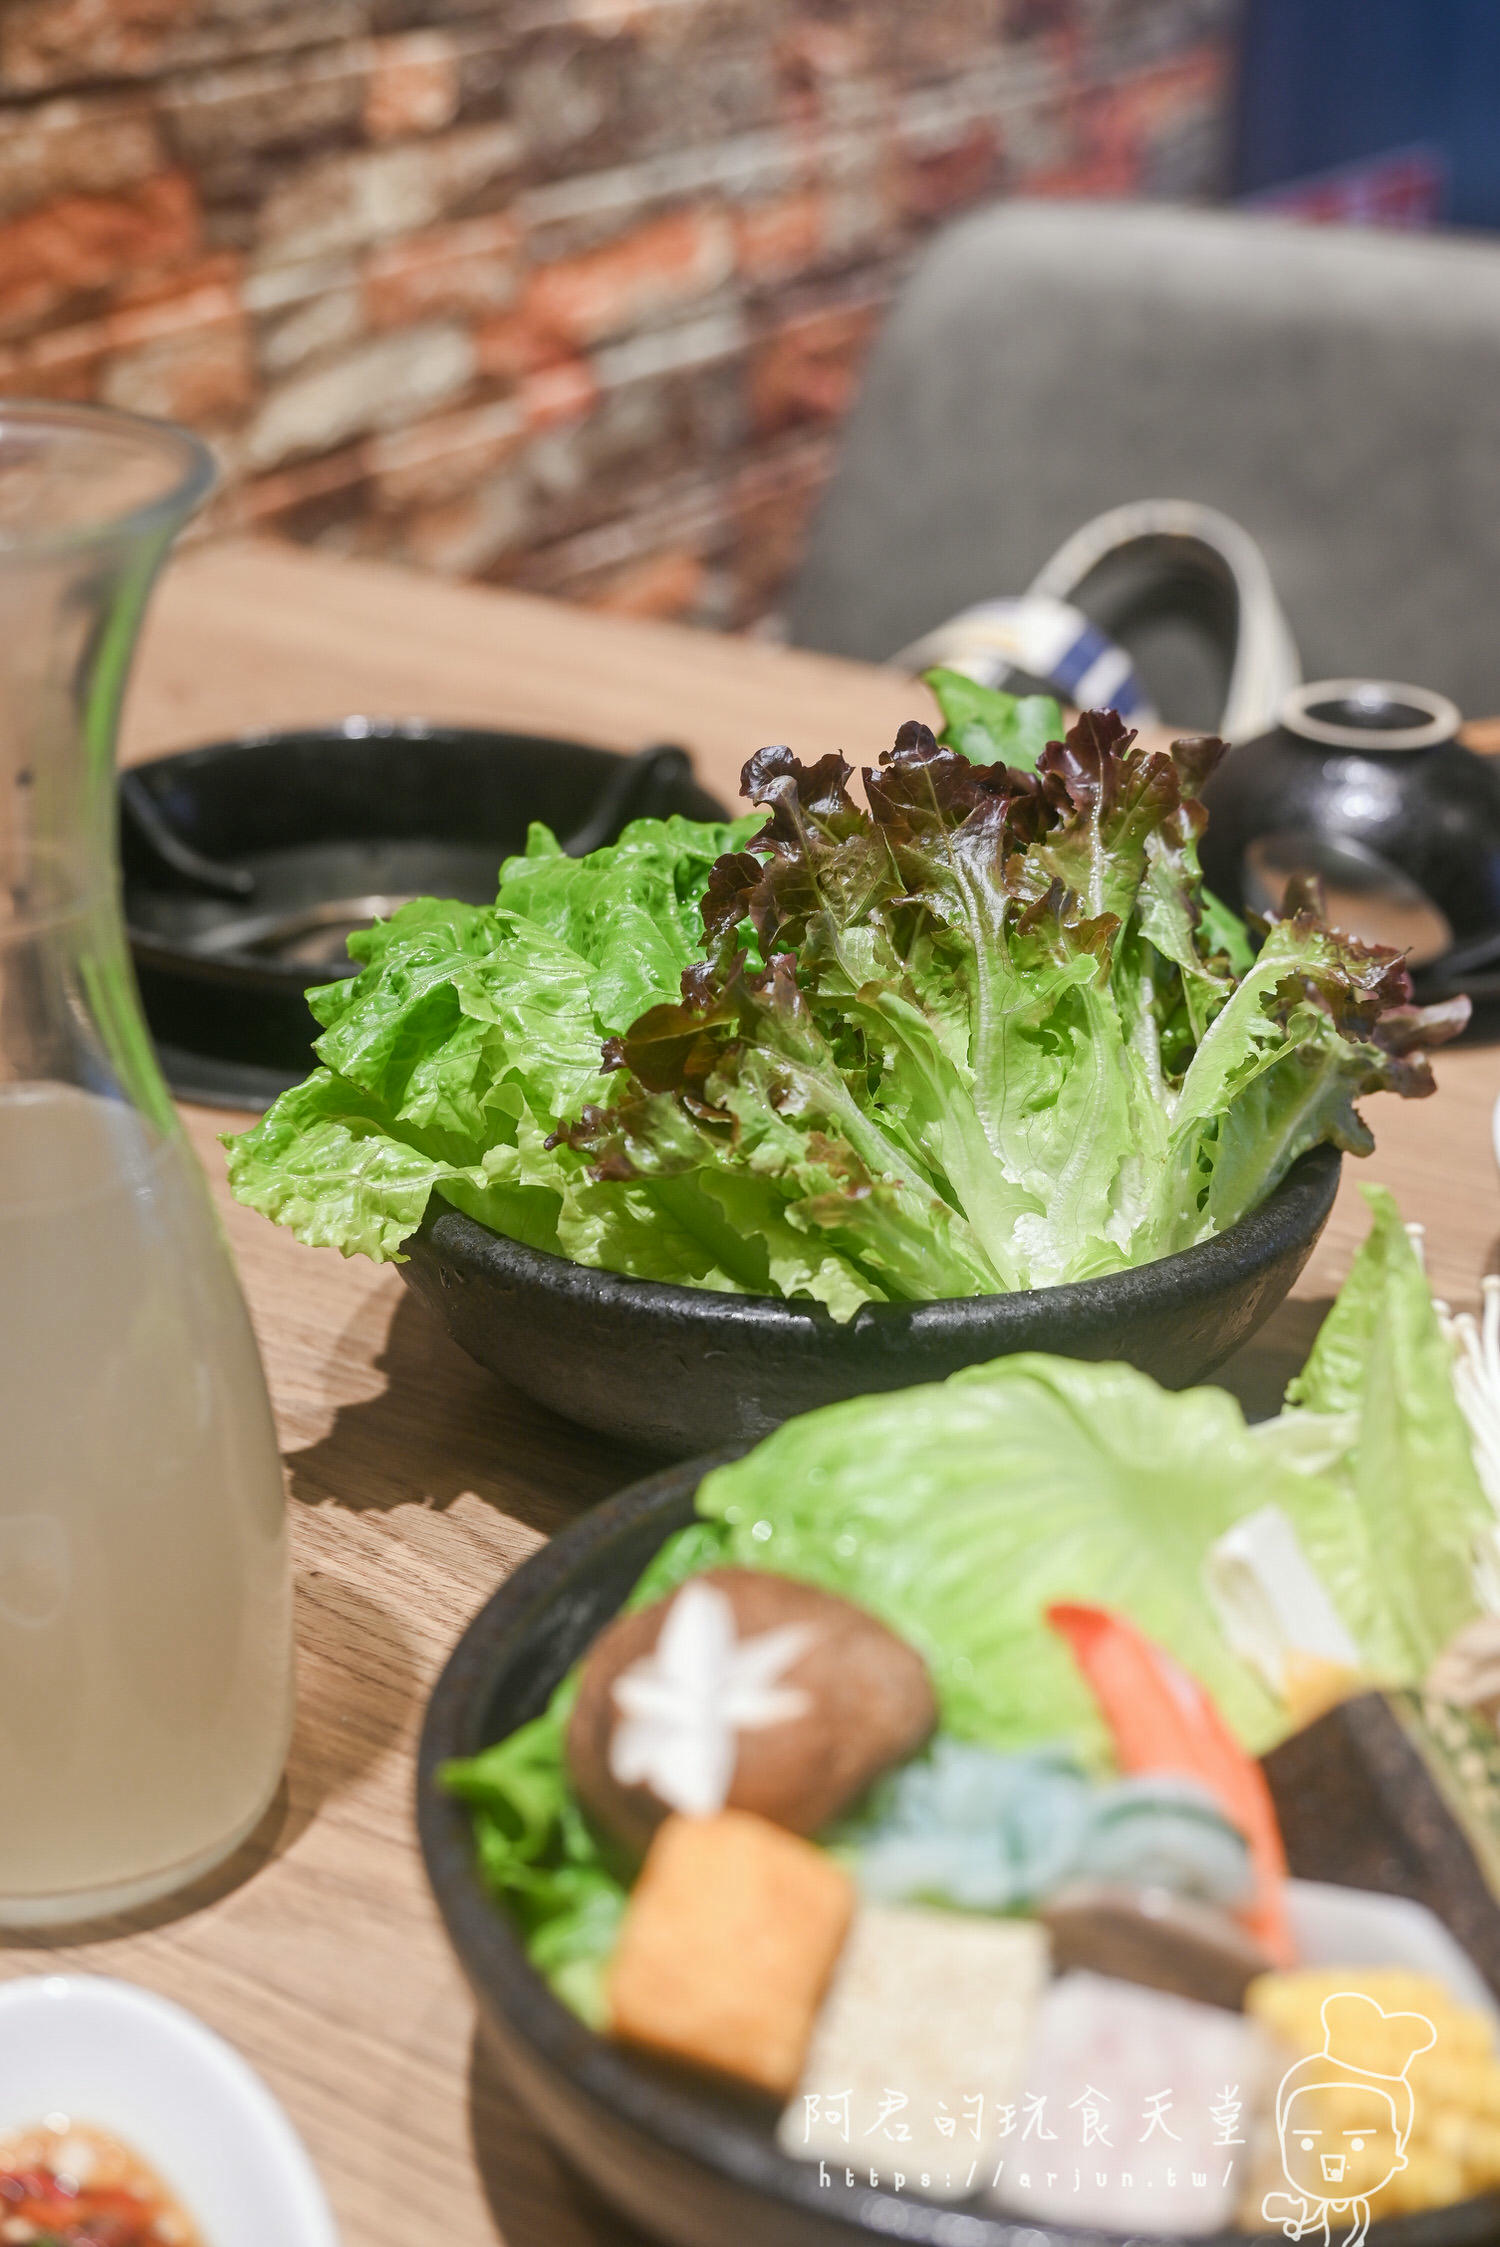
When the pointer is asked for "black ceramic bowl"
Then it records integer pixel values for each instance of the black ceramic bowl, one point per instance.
(1366, 785)
(688, 2165)
(246, 863)
(678, 1369)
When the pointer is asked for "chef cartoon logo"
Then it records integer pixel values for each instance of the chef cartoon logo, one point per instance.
(1343, 2116)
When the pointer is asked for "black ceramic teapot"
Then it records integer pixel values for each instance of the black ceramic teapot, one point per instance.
(1367, 785)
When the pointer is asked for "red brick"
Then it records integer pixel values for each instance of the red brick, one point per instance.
(413, 86)
(306, 328)
(627, 520)
(264, 502)
(1101, 155)
(1152, 99)
(185, 358)
(776, 241)
(473, 533)
(187, 351)
(64, 364)
(200, 376)
(444, 457)
(531, 290)
(928, 44)
(88, 243)
(355, 198)
(608, 18)
(1113, 125)
(815, 61)
(47, 42)
(217, 119)
(511, 346)
(563, 392)
(325, 503)
(468, 268)
(210, 269)
(807, 369)
(660, 585)
(382, 382)
(101, 146)
(553, 383)
(50, 44)
(669, 263)
(937, 181)
(154, 318)
(1109, 171)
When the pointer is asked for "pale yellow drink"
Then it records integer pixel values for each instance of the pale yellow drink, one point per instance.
(145, 1664)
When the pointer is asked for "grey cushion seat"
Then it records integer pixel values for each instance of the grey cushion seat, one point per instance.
(1337, 392)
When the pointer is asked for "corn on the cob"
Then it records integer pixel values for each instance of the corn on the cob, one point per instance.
(1453, 2152)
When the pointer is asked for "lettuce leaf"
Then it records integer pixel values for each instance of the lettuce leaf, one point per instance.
(989, 727)
(468, 1035)
(326, 1162)
(986, 1036)
(630, 911)
(1377, 1395)
(538, 1858)
(985, 1031)
(957, 1512)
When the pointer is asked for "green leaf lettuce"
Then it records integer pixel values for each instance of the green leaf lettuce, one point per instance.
(985, 1030)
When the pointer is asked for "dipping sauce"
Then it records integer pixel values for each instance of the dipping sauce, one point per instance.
(64, 2185)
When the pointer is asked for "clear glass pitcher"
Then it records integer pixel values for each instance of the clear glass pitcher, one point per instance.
(145, 1630)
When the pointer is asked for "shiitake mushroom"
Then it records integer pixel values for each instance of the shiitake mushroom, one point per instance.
(869, 1705)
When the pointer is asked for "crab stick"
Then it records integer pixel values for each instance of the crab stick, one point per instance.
(1160, 1719)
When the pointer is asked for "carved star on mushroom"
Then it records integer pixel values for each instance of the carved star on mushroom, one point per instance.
(741, 1690)
(683, 1706)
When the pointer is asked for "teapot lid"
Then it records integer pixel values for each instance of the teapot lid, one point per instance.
(1369, 715)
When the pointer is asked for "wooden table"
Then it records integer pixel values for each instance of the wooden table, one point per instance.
(416, 1481)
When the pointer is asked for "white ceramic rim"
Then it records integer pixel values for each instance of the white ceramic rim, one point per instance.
(1441, 725)
(257, 2114)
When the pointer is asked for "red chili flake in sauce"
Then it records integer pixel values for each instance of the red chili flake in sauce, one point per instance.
(116, 2203)
(66, 2217)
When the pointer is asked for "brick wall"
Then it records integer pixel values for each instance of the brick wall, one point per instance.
(565, 293)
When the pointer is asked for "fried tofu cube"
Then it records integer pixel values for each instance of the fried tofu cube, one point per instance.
(731, 1935)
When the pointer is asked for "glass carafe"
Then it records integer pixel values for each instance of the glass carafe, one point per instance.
(145, 1631)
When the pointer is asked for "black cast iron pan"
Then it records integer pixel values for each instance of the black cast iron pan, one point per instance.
(246, 864)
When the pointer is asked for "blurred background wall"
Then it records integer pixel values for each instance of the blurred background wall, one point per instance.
(570, 294)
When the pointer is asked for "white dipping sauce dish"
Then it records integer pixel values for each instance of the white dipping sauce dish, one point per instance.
(118, 2059)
